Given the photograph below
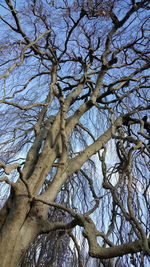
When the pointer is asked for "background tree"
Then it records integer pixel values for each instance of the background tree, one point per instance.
(74, 132)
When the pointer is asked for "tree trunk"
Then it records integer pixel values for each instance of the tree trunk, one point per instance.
(18, 230)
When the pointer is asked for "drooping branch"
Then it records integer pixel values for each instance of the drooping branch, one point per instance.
(95, 250)
(22, 56)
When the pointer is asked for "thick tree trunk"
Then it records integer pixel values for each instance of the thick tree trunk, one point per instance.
(14, 245)
(21, 221)
(18, 230)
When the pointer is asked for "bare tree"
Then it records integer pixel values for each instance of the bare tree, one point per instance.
(75, 131)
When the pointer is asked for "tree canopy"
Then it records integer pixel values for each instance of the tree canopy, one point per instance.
(75, 132)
